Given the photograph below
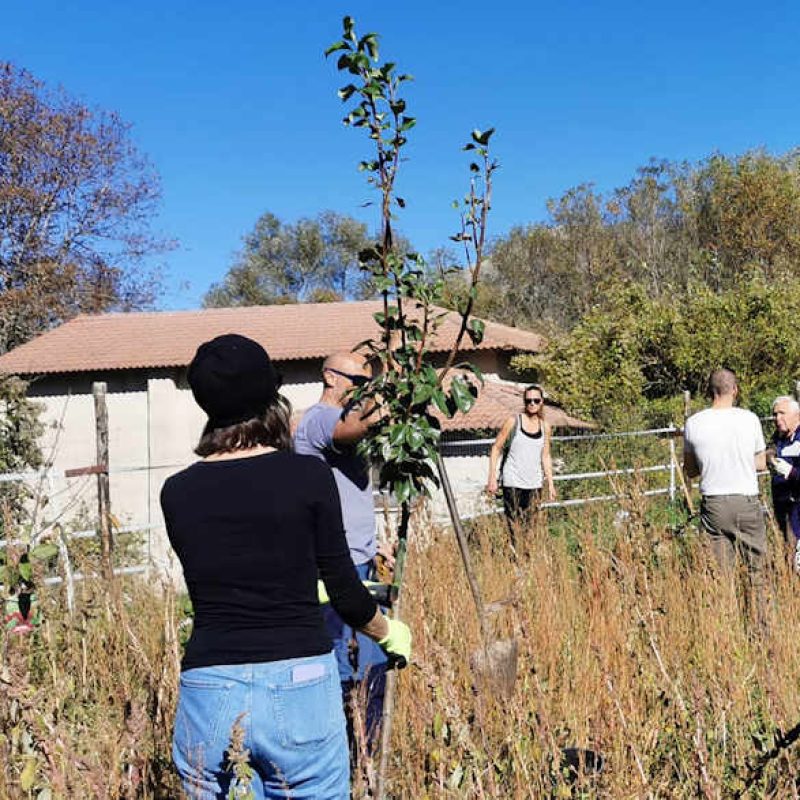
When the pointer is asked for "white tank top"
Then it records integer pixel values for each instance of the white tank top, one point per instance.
(522, 468)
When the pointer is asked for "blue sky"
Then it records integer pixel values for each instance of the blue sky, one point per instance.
(237, 109)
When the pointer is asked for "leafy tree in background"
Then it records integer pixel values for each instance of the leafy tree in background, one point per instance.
(312, 260)
(641, 352)
(673, 227)
(18, 428)
(19, 450)
(653, 231)
(76, 201)
(545, 276)
(525, 279)
(748, 216)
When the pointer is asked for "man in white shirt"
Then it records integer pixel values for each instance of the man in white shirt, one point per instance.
(725, 446)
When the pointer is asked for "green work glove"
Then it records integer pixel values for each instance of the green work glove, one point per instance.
(397, 643)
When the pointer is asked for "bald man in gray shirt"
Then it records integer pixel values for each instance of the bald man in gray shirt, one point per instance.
(331, 430)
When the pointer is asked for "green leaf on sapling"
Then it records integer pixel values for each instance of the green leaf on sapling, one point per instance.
(336, 46)
(43, 551)
(475, 330)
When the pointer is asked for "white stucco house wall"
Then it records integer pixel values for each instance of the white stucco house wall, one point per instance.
(153, 421)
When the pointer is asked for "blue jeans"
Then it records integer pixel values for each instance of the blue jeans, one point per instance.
(293, 723)
(362, 668)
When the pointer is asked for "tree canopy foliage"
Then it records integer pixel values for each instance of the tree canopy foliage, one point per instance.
(311, 260)
(674, 227)
(646, 289)
(19, 450)
(642, 351)
(76, 203)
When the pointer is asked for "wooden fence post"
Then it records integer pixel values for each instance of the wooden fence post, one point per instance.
(673, 460)
(103, 491)
(69, 582)
(797, 391)
(686, 484)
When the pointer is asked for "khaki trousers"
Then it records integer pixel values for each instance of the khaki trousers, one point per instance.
(736, 529)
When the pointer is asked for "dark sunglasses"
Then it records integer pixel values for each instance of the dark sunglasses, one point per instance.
(356, 380)
(533, 401)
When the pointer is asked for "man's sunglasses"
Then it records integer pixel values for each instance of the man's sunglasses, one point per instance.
(533, 401)
(356, 380)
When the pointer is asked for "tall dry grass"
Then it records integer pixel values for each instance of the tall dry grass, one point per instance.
(86, 703)
(630, 645)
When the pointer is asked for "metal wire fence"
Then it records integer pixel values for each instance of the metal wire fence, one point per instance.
(589, 468)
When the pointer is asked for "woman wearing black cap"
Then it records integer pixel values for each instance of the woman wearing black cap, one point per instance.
(254, 525)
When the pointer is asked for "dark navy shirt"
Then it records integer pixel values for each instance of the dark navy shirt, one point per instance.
(787, 448)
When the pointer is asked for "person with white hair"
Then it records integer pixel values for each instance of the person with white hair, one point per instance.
(784, 463)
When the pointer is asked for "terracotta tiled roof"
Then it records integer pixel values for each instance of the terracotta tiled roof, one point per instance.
(497, 401)
(170, 338)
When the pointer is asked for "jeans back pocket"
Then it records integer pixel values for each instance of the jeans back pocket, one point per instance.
(200, 719)
(308, 711)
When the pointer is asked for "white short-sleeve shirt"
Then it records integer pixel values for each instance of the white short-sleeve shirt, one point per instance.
(724, 442)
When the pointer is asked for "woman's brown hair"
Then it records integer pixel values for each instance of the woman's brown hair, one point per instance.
(271, 429)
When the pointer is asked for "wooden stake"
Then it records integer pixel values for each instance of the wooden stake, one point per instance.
(687, 494)
(103, 491)
(686, 486)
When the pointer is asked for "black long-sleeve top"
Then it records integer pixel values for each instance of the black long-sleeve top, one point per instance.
(253, 535)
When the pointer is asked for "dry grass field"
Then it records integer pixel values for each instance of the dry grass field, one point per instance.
(629, 645)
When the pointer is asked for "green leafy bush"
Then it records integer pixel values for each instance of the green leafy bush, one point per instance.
(639, 351)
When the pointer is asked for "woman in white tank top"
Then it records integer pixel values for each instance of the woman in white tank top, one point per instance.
(527, 464)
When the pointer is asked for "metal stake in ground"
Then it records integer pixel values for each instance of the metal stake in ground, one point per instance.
(495, 664)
